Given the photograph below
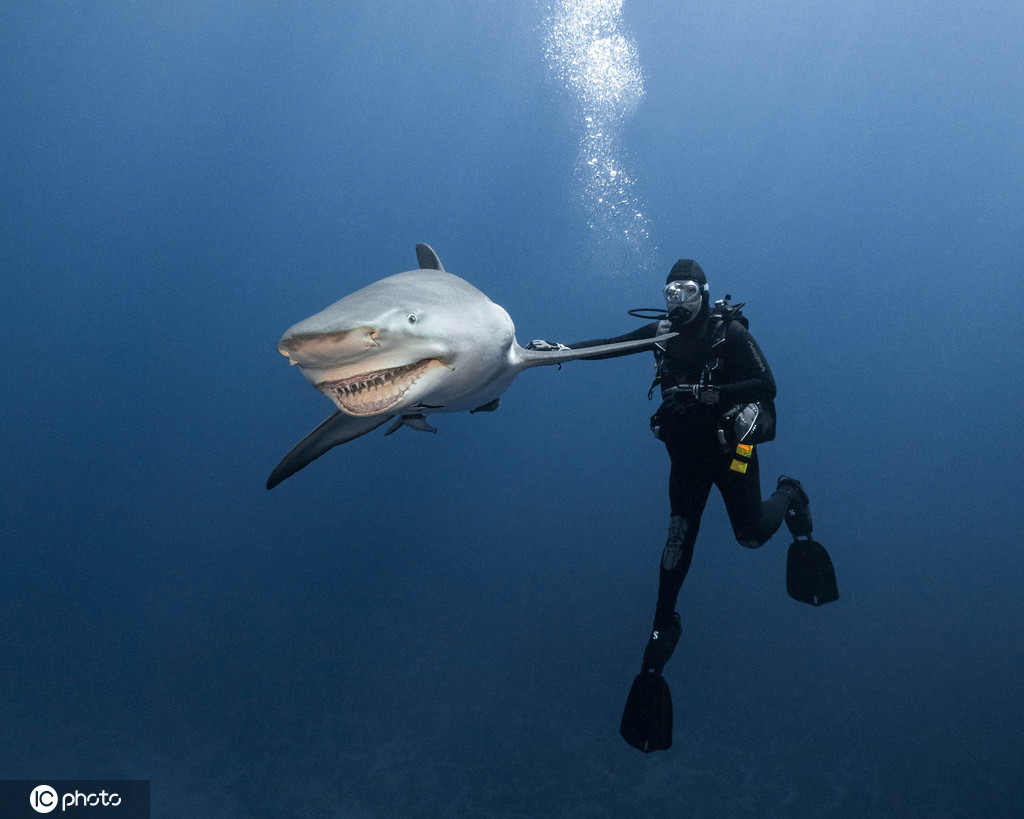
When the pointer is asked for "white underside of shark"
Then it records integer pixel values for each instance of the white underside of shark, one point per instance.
(406, 346)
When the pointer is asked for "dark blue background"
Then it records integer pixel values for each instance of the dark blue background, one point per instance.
(447, 625)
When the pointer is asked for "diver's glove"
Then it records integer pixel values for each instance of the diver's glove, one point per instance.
(688, 394)
(543, 346)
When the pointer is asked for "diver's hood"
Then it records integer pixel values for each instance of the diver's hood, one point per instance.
(687, 269)
(684, 320)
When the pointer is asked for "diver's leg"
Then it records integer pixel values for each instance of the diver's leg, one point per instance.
(753, 521)
(689, 486)
(798, 513)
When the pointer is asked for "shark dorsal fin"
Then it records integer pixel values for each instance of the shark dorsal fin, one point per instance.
(427, 258)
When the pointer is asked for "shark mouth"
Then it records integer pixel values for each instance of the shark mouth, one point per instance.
(376, 392)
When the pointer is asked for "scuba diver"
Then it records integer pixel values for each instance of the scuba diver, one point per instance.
(717, 404)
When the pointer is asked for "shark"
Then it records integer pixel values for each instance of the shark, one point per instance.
(407, 346)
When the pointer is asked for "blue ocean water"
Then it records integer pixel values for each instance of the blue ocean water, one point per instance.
(448, 625)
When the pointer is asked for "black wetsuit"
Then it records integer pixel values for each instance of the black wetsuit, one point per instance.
(737, 367)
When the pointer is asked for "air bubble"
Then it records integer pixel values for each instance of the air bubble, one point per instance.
(590, 56)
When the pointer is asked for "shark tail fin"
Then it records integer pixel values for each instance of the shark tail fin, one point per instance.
(525, 359)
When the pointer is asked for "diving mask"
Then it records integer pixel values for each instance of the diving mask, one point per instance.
(681, 291)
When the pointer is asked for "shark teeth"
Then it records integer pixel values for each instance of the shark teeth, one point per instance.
(375, 392)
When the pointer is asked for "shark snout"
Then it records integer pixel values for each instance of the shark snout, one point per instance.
(319, 349)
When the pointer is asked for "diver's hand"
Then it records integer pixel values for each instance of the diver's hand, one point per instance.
(543, 346)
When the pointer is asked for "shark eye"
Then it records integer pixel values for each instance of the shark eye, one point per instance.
(412, 318)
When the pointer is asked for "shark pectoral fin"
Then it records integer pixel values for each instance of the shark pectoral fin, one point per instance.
(413, 421)
(490, 406)
(339, 428)
(539, 358)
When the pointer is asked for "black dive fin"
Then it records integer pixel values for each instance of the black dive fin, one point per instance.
(647, 718)
(810, 577)
(338, 428)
